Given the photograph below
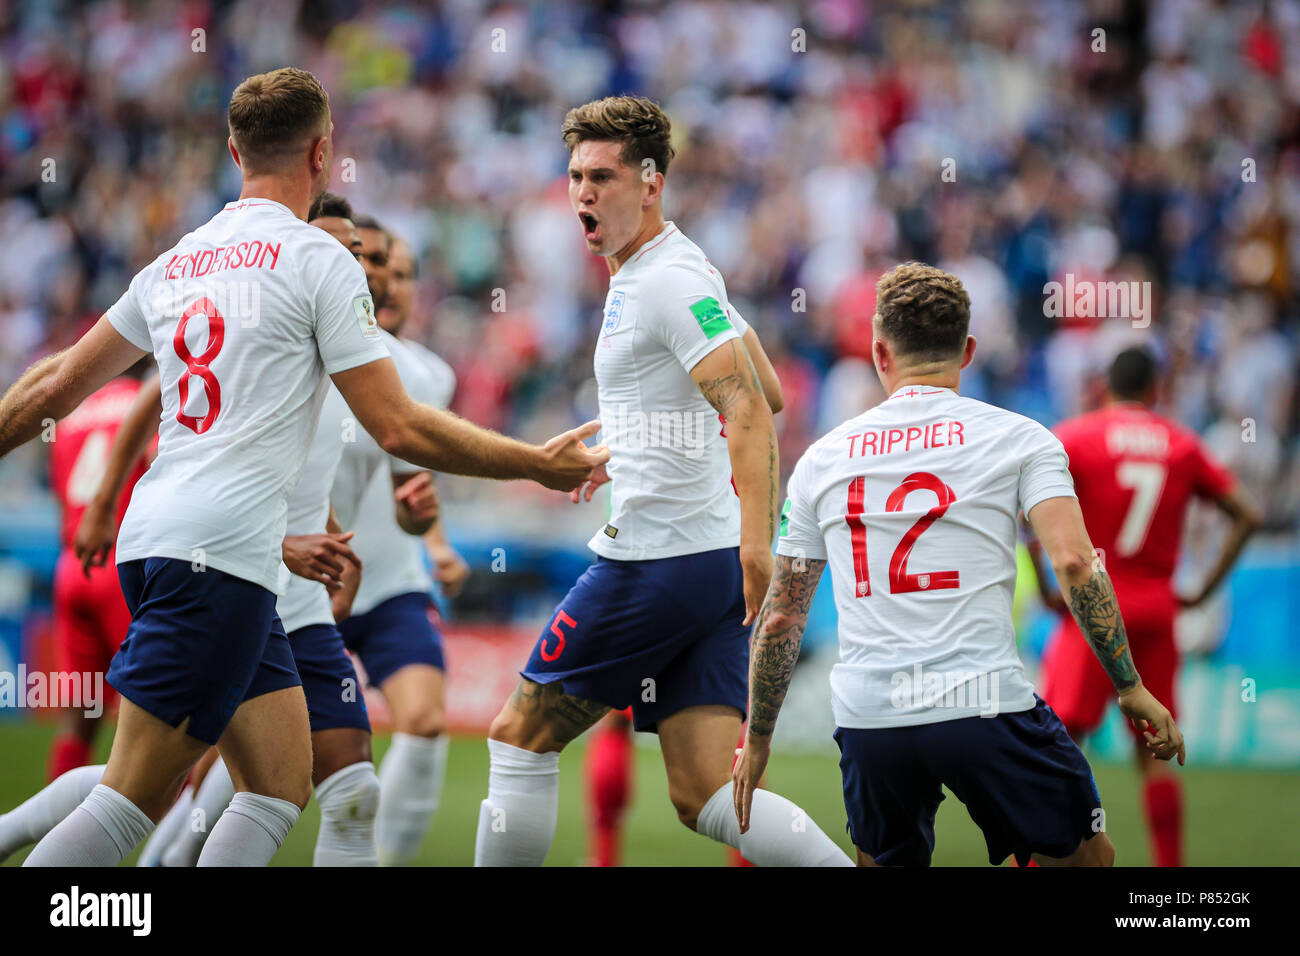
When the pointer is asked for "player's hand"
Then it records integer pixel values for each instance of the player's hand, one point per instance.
(756, 565)
(747, 774)
(342, 597)
(450, 570)
(418, 498)
(320, 557)
(566, 462)
(95, 536)
(1163, 738)
(598, 477)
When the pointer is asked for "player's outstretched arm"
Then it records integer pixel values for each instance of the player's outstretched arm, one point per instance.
(1246, 520)
(57, 384)
(98, 527)
(727, 378)
(442, 441)
(778, 635)
(1058, 523)
(766, 373)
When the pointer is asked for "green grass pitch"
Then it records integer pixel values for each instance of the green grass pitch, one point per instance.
(1234, 817)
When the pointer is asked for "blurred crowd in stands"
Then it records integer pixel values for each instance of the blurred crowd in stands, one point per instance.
(1013, 143)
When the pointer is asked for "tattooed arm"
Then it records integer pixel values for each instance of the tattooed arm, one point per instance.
(1058, 524)
(777, 637)
(727, 379)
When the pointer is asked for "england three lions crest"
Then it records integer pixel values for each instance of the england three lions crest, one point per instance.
(614, 311)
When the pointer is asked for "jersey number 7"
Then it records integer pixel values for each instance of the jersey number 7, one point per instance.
(900, 581)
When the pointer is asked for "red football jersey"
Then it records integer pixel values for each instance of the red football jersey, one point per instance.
(1135, 473)
(79, 452)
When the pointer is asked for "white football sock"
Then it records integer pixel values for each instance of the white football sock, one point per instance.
(780, 834)
(37, 816)
(516, 823)
(349, 799)
(166, 831)
(250, 831)
(215, 793)
(100, 832)
(410, 784)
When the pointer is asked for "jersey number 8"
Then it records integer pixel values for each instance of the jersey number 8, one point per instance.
(197, 365)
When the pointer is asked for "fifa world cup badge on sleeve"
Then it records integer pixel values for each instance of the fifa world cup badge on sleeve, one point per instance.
(364, 306)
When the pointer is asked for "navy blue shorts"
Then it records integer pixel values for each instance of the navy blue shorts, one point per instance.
(660, 635)
(334, 695)
(199, 645)
(1023, 780)
(393, 634)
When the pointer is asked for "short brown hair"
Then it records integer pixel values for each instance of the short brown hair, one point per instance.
(275, 114)
(924, 311)
(639, 124)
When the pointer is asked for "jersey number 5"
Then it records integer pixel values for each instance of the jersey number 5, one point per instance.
(900, 581)
(197, 365)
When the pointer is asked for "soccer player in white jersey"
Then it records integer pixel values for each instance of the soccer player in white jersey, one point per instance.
(245, 316)
(914, 505)
(661, 620)
(393, 627)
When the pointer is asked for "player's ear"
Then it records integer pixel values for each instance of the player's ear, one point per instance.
(234, 153)
(319, 153)
(969, 353)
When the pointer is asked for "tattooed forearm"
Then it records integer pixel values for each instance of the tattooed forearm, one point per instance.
(1094, 606)
(777, 636)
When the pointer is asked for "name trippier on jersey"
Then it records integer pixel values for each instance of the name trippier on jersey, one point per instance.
(886, 441)
(929, 687)
(77, 909)
(689, 431)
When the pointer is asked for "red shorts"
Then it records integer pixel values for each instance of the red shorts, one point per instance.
(1074, 683)
(90, 617)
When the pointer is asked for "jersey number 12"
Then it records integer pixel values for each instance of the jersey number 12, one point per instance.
(900, 581)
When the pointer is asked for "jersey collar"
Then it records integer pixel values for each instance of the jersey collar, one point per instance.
(920, 391)
(658, 239)
(254, 201)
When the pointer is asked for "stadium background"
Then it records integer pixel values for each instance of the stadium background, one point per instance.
(818, 144)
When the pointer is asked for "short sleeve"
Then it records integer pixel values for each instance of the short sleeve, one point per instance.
(737, 320)
(125, 316)
(686, 315)
(346, 327)
(1044, 470)
(1210, 478)
(799, 534)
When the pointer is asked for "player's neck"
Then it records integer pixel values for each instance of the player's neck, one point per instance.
(293, 195)
(950, 380)
(651, 227)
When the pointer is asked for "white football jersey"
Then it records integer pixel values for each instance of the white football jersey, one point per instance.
(303, 602)
(393, 561)
(914, 505)
(245, 316)
(669, 468)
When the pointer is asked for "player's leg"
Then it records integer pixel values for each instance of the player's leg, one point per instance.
(343, 771)
(699, 745)
(412, 772)
(608, 766)
(39, 814)
(401, 648)
(80, 649)
(146, 768)
(213, 789)
(517, 820)
(267, 748)
(184, 821)
(1155, 655)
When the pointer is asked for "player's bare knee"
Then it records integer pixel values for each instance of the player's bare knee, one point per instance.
(427, 722)
(688, 804)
